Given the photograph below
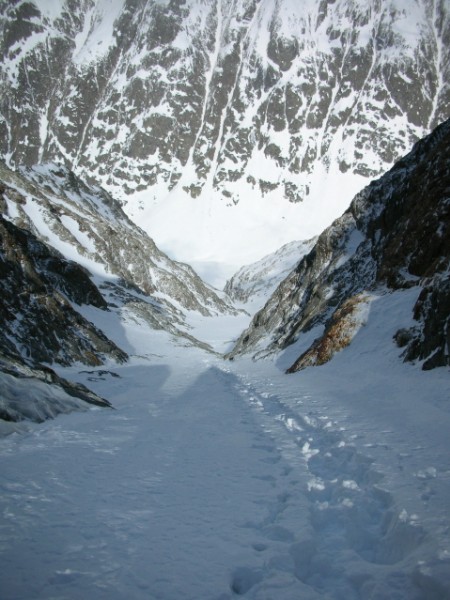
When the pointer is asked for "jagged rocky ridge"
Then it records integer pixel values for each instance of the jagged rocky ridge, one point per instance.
(86, 222)
(135, 94)
(38, 320)
(224, 96)
(395, 235)
(38, 323)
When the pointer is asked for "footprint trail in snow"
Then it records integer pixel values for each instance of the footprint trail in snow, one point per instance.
(206, 484)
(355, 537)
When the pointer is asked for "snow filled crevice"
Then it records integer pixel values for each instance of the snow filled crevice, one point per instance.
(97, 35)
(438, 64)
(213, 62)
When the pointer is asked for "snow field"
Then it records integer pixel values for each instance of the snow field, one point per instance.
(361, 543)
(213, 480)
(153, 499)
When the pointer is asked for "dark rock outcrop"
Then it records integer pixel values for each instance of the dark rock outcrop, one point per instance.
(395, 235)
(34, 392)
(429, 340)
(38, 319)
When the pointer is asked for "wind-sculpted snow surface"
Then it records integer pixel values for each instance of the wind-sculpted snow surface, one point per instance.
(227, 109)
(395, 235)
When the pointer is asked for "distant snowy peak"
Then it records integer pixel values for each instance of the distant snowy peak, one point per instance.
(222, 102)
(394, 236)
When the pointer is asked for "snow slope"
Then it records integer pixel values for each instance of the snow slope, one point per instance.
(217, 237)
(213, 480)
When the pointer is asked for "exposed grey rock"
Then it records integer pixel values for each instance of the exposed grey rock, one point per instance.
(394, 235)
(116, 267)
(92, 226)
(430, 339)
(213, 84)
(37, 319)
(254, 283)
(53, 205)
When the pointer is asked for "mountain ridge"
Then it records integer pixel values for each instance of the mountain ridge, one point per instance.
(228, 129)
(68, 253)
(393, 236)
(235, 110)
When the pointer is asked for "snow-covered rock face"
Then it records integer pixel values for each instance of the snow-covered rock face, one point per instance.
(65, 244)
(242, 101)
(395, 235)
(88, 226)
(68, 254)
(37, 318)
(253, 284)
(39, 323)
